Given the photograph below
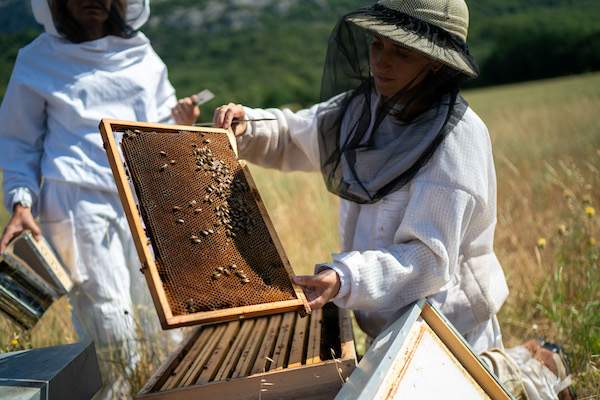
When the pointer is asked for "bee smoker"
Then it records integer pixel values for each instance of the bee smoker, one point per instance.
(31, 279)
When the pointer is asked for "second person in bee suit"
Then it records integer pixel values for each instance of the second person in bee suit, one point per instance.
(90, 63)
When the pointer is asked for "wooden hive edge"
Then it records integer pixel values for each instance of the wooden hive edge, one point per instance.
(235, 313)
(330, 373)
(273, 233)
(134, 219)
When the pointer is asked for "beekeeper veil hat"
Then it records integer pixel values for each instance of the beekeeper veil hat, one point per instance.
(137, 14)
(372, 145)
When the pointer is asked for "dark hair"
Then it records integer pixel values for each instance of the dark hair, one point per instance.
(67, 25)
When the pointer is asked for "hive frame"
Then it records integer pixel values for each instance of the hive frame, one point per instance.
(319, 380)
(168, 321)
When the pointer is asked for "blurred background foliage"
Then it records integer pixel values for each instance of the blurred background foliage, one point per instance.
(271, 52)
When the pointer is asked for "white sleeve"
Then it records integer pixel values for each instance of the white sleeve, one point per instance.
(22, 130)
(421, 260)
(19, 195)
(165, 97)
(288, 143)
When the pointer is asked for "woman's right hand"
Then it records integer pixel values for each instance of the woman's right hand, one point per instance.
(22, 219)
(225, 117)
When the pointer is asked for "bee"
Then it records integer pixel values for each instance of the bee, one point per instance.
(176, 208)
(216, 275)
(180, 221)
(163, 167)
(163, 153)
(172, 162)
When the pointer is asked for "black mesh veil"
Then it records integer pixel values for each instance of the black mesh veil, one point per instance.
(352, 118)
(116, 24)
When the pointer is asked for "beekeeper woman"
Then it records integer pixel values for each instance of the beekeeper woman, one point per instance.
(411, 162)
(91, 63)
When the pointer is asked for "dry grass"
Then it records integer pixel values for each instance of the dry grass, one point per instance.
(547, 148)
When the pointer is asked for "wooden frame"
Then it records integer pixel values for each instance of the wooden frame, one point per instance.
(319, 380)
(149, 268)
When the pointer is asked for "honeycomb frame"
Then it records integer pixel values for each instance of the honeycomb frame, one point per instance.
(185, 234)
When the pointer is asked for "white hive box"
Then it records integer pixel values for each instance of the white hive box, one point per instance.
(421, 356)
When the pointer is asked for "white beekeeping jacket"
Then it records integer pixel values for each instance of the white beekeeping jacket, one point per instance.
(57, 94)
(432, 238)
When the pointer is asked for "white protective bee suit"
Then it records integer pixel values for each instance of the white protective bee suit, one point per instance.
(432, 238)
(57, 94)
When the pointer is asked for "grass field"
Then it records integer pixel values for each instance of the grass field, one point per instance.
(546, 139)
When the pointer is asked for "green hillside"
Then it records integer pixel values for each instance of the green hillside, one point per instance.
(270, 52)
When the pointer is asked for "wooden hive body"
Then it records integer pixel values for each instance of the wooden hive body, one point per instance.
(208, 249)
(421, 356)
(282, 356)
(270, 349)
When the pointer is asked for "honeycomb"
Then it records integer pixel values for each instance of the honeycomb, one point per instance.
(212, 247)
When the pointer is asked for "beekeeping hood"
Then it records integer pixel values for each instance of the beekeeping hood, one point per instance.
(371, 145)
(137, 14)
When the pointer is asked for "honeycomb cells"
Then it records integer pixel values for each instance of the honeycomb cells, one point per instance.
(212, 247)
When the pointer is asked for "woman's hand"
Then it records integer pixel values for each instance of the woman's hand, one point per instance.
(186, 112)
(225, 117)
(21, 220)
(320, 288)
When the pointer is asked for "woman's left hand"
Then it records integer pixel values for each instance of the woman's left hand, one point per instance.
(320, 288)
(186, 112)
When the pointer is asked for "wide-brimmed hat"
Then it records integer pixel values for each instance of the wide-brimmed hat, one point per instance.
(436, 28)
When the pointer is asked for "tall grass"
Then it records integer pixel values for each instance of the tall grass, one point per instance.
(546, 138)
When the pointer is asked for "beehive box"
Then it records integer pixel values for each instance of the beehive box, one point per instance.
(282, 356)
(422, 356)
(208, 248)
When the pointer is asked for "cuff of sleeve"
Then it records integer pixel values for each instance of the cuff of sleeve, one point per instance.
(250, 114)
(343, 275)
(247, 136)
(20, 195)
